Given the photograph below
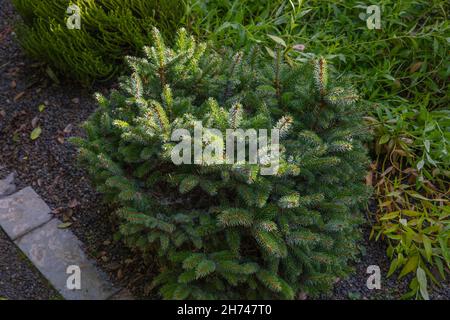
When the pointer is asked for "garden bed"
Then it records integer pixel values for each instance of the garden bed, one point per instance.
(48, 164)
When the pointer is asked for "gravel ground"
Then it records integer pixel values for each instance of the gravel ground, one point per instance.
(18, 277)
(48, 165)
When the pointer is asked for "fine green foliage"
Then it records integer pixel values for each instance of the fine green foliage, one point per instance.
(110, 29)
(397, 64)
(220, 230)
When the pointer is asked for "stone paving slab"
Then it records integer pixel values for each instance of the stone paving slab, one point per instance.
(7, 185)
(53, 250)
(22, 212)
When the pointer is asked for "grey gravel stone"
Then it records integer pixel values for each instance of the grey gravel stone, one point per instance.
(22, 212)
(7, 185)
(53, 250)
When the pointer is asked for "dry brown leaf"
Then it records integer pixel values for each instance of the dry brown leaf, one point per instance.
(387, 171)
(412, 179)
(68, 129)
(57, 210)
(379, 183)
(415, 66)
(369, 181)
(410, 171)
(400, 152)
(18, 96)
(74, 203)
(34, 122)
(374, 165)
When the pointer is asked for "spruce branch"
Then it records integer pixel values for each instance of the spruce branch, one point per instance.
(235, 115)
(283, 125)
(321, 75)
(237, 58)
(277, 81)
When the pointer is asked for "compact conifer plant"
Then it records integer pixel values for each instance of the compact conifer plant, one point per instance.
(222, 230)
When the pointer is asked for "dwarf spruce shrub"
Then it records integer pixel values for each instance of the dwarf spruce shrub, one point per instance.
(225, 230)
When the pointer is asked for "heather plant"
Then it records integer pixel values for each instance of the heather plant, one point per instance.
(110, 29)
(225, 230)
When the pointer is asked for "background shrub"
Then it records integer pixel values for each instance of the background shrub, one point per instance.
(222, 230)
(110, 29)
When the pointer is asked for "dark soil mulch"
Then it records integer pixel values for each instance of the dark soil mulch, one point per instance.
(48, 164)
